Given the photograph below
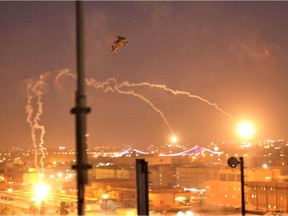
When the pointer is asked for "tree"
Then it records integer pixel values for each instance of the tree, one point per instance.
(6, 211)
(63, 208)
(9, 210)
(33, 209)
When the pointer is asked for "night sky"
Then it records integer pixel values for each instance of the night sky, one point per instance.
(233, 54)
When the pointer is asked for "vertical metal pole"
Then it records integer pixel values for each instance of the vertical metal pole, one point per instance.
(286, 193)
(257, 197)
(276, 201)
(142, 187)
(80, 110)
(242, 185)
(266, 198)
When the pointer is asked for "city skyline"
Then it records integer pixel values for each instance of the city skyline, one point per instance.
(229, 53)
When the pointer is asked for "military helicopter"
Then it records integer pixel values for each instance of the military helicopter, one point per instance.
(121, 41)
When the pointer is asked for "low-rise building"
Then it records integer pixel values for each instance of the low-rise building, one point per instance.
(267, 196)
(226, 190)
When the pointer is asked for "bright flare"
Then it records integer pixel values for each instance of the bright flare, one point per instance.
(173, 139)
(41, 191)
(245, 129)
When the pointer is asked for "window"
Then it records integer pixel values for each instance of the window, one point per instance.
(231, 177)
(222, 177)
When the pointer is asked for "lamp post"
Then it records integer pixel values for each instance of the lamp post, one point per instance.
(233, 162)
(105, 197)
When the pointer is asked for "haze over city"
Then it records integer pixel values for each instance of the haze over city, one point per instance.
(233, 54)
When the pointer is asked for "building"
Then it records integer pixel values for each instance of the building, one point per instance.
(267, 196)
(162, 176)
(195, 175)
(112, 173)
(226, 189)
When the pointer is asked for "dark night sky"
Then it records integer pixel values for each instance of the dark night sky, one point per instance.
(230, 53)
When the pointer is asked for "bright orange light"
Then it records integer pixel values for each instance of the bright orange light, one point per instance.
(105, 196)
(245, 129)
(173, 139)
(41, 191)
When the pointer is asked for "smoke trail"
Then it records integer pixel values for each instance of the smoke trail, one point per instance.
(29, 111)
(35, 90)
(148, 102)
(175, 92)
(110, 85)
(64, 72)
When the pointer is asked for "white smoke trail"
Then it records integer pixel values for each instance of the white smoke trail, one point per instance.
(35, 90)
(110, 85)
(174, 92)
(64, 72)
(30, 121)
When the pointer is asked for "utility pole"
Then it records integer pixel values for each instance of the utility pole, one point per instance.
(142, 187)
(233, 162)
(80, 110)
(242, 184)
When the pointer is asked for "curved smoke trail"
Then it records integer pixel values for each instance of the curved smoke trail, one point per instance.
(107, 87)
(174, 92)
(111, 85)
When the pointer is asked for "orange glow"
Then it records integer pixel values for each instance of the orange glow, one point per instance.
(41, 191)
(266, 52)
(245, 129)
(173, 139)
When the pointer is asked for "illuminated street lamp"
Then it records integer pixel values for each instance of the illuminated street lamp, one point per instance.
(233, 162)
(105, 197)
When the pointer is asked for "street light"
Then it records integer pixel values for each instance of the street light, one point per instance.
(233, 162)
(105, 197)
